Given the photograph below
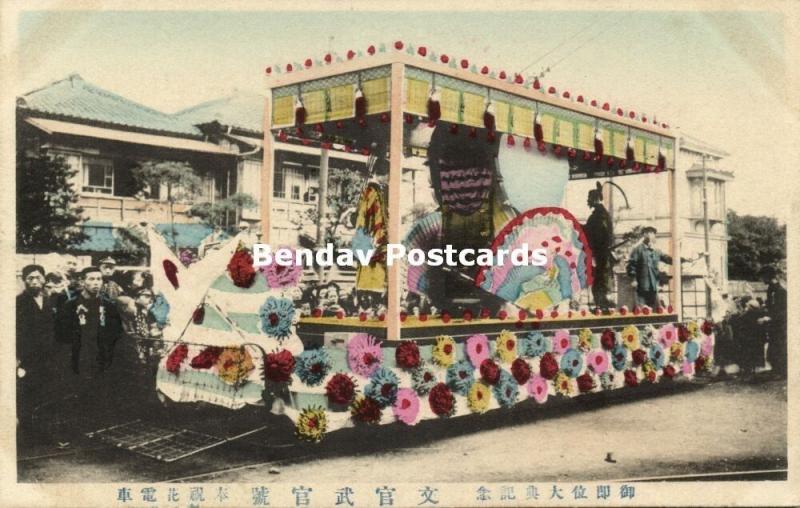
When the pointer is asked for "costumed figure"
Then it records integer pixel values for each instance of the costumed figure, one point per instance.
(599, 232)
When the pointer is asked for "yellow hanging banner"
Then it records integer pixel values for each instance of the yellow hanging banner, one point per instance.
(283, 111)
(501, 113)
(376, 91)
(651, 153)
(314, 103)
(342, 100)
(566, 133)
(619, 142)
(450, 102)
(548, 128)
(523, 121)
(585, 137)
(474, 106)
(638, 149)
(417, 93)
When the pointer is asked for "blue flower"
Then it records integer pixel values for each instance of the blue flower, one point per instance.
(312, 366)
(535, 344)
(657, 356)
(423, 379)
(382, 387)
(460, 377)
(691, 351)
(276, 316)
(160, 310)
(572, 362)
(506, 389)
(619, 357)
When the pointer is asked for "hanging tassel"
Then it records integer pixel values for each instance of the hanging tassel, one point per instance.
(538, 133)
(361, 104)
(598, 145)
(453, 128)
(434, 108)
(527, 143)
(629, 155)
(282, 136)
(557, 149)
(473, 132)
(491, 137)
(662, 161)
(510, 141)
(299, 113)
(488, 117)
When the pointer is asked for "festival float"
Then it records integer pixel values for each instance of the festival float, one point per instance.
(452, 153)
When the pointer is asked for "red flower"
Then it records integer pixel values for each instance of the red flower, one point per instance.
(608, 339)
(651, 376)
(639, 357)
(371, 50)
(308, 62)
(585, 382)
(707, 327)
(241, 269)
(366, 410)
(328, 58)
(630, 378)
(398, 45)
(350, 54)
(683, 333)
(669, 371)
(340, 389)
(700, 364)
(548, 366)
(464, 63)
(407, 355)
(521, 371)
(441, 400)
(422, 51)
(490, 372)
(444, 58)
(176, 357)
(278, 367)
(207, 358)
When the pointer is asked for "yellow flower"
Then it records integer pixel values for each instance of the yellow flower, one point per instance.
(630, 337)
(478, 397)
(585, 339)
(311, 424)
(444, 352)
(562, 384)
(676, 351)
(234, 364)
(506, 346)
(692, 327)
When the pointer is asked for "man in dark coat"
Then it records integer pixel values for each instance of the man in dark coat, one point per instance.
(35, 345)
(600, 233)
(777, 309)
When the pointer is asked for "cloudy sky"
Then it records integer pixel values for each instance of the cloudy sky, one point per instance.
(719, 76)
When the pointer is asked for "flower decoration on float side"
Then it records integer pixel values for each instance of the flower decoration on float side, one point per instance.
(406, 406)
(282, 277)
(382, 387)
(638, 357)
(667, 336)
(562, 384)
(656, 354)
(585, 382)
(585, 337)
(561, 341)
(176, 358)
(692, 328)
(630, 337)
(630, 378)
(650, 372)
(536, 344)
(683, 333)
(311, 424)
(277, 317)
(490, 371)
(707, 328)
(441, 400)
(607, 380)
(423, 379)
(548, 366)
(597, 361)
(313, 366)
(234, 364)
(538, 388)
(407, 356)
(444, 351)
(572, 362)
(692, 351)
(619, 357)
(648, 336)
(676, 352)
(477, 348)
(506, 346)
(364, 354)
(207, 358)
(703, 364)
(278, 366)
(506, 389)
(460, 377)
(479, 397)
(240, 268)
(608, 339)
(521, 371)
(340, 389)
(365, 410)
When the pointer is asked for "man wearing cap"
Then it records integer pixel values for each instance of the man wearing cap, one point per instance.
(35, 344)
(777, 312)
(91, 323)
(643, 268)
(110, 288)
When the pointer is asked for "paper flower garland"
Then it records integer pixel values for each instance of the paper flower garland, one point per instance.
(444, 352)
(562, 384)
(406, 355)
(585, 339)
(692, 351)
(340, 389)
(278, 367)
(656, 355)
(365, 410)
(585, 383)
(406, 407)
(281, 277)
(630, 337)
(423, 379)
(676, 352)
(479, 397)
(234, 364)
(630, 378)
(619, 357)
(311, 424)
(668, 372)
(597, 361)
(477, 349)
(638, 357)
(608, 339)
(276, 317)
(241, 270)
(441, 400)
(537, 388)
(548, 367)
(702, 364)
(667, 336)
(506, 390)
(313, 366)
(707, 328)
(490, 371)
(506, 346)
(692, 327)
(206, 358)
(521, 371)
(460, 376)
(176, 357)
(649, 370)
(572, 362)
(607, 381)
(648, 337)
(561, 341)
(364, 354)
(683, 333)
(382, 387)
(537, 344)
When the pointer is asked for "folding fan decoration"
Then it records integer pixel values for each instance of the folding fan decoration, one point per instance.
(425, 234)
(568, 268)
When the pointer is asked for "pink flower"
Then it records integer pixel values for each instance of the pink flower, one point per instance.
(280, 277)
(597, 361)
(477, 349)
(688, 368)
(537, 388)
(561, 341)
(364, 354)
(667, 336)
(406, 407)
(707, 347)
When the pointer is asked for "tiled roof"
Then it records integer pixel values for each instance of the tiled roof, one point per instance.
(244, 110)
(74, 98)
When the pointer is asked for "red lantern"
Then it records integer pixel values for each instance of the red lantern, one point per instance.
(580, 98)
(502, 314)
(444, 58)
(371, 50)
(282, 136)
(422, 51)
(289, 67)
(571, 153)
(541, 147)
(593, 103)
(565, 95)
(536, 84)
(644, 119)
(398, 45)
(484, 70)
(445, 316)
(502, 75)
(552, 89)
(268, 70)
(518, 79)
(510, 141)
(464, 63)
(606, 106)
(453, 128)
(350, 54)
(527, 143)
(328, 58)
(632, 114)
(308, 62)
(619, 111)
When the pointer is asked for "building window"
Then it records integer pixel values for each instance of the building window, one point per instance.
(98, 176)
(278, 183)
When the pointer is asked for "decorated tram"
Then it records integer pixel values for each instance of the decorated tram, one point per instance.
(412, 147)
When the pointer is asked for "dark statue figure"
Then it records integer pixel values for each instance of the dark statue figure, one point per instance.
(600, 233)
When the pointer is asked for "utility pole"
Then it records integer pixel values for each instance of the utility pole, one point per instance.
(322, 206)
(706, 238)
